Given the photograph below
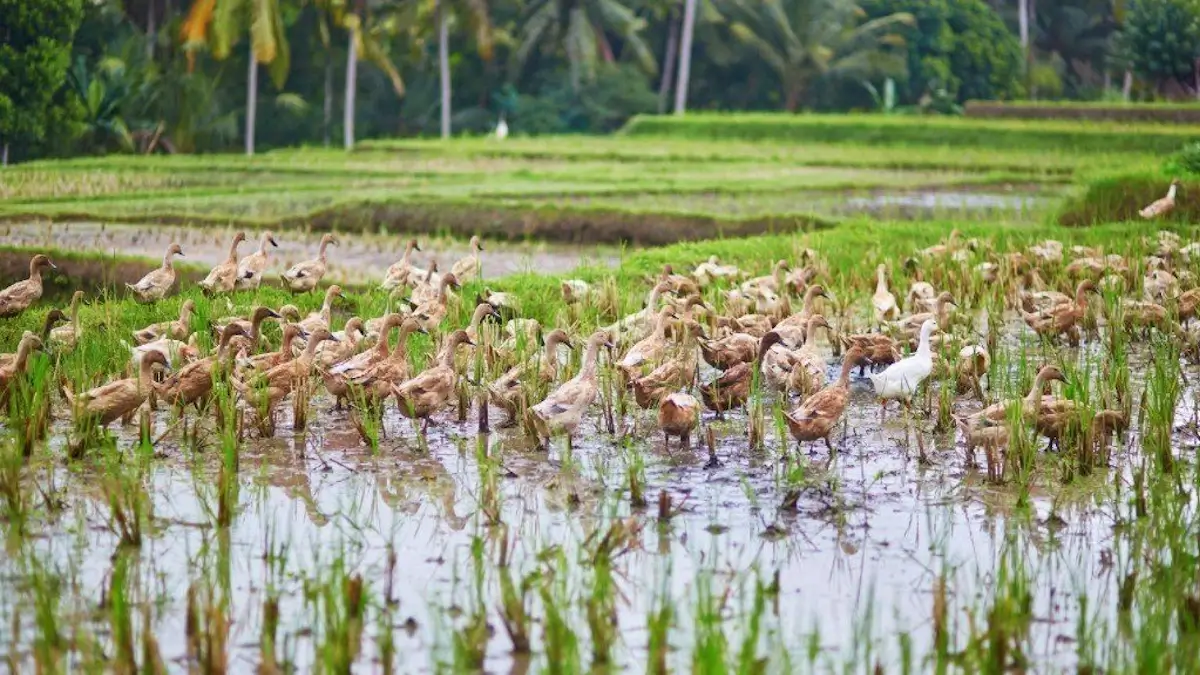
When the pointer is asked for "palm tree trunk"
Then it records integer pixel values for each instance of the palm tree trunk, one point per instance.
(150, 30)
(327, 121)
(351, 93)
(251, 102)
(664, 87)
(444, 64)
(4, 155)
(685, 56)
(1127, 86)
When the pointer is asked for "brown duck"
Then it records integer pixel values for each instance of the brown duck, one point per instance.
(117, 399)
(18, 297)
(817, 416)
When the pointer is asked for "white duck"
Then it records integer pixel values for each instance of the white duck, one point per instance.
(900, 380)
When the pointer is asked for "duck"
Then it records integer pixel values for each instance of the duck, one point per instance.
(223, 278)
(1189, 303)
(158, 282)
(775, 282)
(468, 268)
(252, 326)
(397, 275)
(712, 271)
(345, 344)
(641, 321)
(677, 416)
(911, 325)
(193, 382)
(430, 390)
(336, 376)
(426, 286)
(323, 317)
(179, 329)
(798, 280)
(998, 412)
(918, 289)
(67, 336)
(973, 365)
(177, 351)
(899, 381)
(507, 305)
(576, 291)
(649, 349)
(794, 328)
(510, 390)
(1064, 318)
(1047, 252)
(251, 268)
(1143, 314)
(808, 375)
(16, 363)
(1161, 207)
(877, 349)
(754, 325)
(562, 410)
(266, 389)
(268, 360)
(119, 398)
(674, 372)
(483, 310)
(304, 276)
(373, 377)
(776, 361)
(820, 413)
(678, 284)
(991, 435)
(1159, 285)
(952, 244)
(18, 297)
(883, 302)
(730, 390)
(729, 351)
(431, 313)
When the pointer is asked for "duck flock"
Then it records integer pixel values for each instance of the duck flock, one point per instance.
(706, 340)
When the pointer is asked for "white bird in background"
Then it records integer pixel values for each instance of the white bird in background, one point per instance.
(501, 128)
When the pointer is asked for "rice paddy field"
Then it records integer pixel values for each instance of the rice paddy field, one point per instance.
(1001, 522)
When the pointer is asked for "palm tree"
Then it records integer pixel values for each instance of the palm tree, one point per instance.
(804, 41)
(580, 28)
(365, 23)
(230, 20)
(478, 18)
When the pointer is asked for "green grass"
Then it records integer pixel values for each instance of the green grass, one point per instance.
(1046, 136)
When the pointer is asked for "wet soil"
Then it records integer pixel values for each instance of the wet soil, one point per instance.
(359, 259)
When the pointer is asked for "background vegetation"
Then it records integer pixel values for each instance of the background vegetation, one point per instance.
(176, 75)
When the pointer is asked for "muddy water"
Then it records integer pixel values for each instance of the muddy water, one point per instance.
(358, 259)
(856, 560)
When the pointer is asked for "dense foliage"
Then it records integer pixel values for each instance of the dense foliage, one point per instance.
(1161, 41)
(175, 75)
(960, 46)
(35, 50)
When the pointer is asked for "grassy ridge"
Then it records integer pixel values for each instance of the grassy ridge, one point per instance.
(1092, 111)
(1041, 135)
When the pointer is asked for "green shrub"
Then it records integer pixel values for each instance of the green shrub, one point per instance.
(961, 46)
(1186, 161)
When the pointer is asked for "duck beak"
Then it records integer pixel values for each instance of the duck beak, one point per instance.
(272, 314)
(333, 338)
(52, 265)
(480, 244)
(273, 242)
(469, 342)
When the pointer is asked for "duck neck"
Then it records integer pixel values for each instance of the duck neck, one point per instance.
(1035, 391)
(262, 245)
(880, 282)
(327, 308)
(810, 331)
(285, 348)
(844, 377)
(588, 371)
(923, 348)
(1171, 191)
(1081, 297)
(443, 290)
(233, 250)
(23, 351)
(146, 374)
(75, 313)
(400, 351)
(168, 261)
(324, 245)
(448, 355)
(407, 253)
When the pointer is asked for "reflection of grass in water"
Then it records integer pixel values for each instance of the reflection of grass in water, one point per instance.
(582, 599)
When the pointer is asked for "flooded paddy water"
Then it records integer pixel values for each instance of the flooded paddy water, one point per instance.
(201, 543)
